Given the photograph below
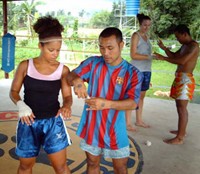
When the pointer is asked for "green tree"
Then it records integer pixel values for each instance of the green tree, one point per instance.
(81, 13)
(50, 13)
(100, 19)
(75, 30)
(167, 14)
(27, 10)
(194, 27)
(12, 17)
(66, 19)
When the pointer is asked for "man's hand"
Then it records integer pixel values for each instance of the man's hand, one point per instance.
(97, 104)
(79, 88)
(159, 56)
(161, 45)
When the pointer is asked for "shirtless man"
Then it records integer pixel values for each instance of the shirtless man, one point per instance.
(182, 89)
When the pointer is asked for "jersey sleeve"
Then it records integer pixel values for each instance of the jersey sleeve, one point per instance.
(134, 87)
(84, 69)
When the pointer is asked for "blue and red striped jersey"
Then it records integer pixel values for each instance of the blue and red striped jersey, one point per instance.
(107, 128)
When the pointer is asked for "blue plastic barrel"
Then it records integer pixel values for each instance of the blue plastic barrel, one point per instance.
(132, 7)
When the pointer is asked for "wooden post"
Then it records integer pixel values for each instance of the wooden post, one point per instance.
(5, 27)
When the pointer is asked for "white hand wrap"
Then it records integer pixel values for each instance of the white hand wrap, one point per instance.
(24, 110)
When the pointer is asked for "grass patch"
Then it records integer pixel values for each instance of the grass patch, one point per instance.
(162, 71)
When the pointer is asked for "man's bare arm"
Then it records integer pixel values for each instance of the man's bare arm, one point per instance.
(167, 51)
(181, 59)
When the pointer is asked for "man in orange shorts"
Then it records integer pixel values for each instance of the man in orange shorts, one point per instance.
(183, 86)
(182, 89)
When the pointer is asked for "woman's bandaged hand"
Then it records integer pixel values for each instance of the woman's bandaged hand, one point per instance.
(24, 110)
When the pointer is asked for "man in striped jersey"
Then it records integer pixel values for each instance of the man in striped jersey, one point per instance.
(113, 87)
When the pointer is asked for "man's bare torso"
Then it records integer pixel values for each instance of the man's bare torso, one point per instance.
(190, 53)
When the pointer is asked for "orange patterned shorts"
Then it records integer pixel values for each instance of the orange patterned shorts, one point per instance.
(183, 86)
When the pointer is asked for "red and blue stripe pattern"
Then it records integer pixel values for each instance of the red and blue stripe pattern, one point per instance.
(107, 128)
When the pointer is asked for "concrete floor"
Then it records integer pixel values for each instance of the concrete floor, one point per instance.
(159, 158)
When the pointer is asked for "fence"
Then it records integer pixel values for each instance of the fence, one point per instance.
(74, 50)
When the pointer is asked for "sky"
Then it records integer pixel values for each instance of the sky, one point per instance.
(75, 6)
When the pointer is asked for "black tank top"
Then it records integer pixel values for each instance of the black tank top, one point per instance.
(41, 91)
